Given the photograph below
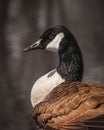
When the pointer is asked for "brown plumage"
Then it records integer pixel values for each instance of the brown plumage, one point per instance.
(69, 105)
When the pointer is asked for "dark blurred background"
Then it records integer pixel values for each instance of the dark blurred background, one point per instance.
(21, 23)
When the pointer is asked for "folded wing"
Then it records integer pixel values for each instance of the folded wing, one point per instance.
(71, 106)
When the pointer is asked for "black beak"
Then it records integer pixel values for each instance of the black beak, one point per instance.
(36, 45)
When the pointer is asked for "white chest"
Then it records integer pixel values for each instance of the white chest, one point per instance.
(44, 85)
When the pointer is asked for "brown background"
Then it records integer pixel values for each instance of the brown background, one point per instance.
(21, 23)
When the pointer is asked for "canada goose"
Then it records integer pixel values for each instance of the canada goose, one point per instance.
(60, 100)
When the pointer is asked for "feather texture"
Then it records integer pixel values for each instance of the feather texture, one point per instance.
(69, 105)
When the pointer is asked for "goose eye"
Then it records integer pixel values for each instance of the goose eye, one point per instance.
(51, 36)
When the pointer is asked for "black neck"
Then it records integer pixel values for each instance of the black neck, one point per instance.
(71, 64)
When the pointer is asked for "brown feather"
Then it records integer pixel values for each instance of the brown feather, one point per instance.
(70, 104)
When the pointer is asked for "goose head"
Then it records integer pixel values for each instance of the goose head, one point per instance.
(53, 39)
(59, 39)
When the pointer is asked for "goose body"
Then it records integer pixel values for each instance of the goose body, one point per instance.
(68, 105)
(60, 100)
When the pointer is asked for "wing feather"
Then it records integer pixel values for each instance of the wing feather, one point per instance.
(69, 105)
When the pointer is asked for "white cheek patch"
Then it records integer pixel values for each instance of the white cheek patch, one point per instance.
(54, 44)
